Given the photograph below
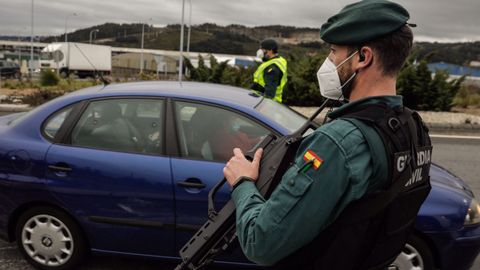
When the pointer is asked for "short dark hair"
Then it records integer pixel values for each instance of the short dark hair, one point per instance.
(392, 49)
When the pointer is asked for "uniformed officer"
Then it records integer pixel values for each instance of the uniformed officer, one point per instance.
(302, 224)
(271, 76)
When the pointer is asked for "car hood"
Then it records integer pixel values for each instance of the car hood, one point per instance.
(443, 178)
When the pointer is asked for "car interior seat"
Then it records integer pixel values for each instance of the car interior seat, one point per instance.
(201, 129)
(115, 132)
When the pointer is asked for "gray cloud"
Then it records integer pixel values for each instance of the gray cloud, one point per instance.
(441, 20)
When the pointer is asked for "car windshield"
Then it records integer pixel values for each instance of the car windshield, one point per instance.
(281, 114)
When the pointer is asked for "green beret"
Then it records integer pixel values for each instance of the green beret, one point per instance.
(363, 21)
(269, 44)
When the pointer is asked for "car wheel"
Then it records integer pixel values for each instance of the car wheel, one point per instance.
(50, 239)
(416, 255)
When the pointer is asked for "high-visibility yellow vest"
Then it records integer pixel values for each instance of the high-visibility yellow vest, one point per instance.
(282, 65)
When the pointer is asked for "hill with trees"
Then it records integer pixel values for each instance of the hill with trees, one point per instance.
(243, 40)
(304, 51)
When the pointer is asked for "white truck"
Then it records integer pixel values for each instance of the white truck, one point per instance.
(83, 60)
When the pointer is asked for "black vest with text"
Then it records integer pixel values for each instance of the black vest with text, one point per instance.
(371, 232)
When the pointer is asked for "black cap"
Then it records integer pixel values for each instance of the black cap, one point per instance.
(364, 21)
(269, 44)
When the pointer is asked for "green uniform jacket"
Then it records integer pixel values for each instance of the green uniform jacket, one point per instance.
(308, 199)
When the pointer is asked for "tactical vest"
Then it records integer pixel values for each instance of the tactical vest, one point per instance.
(372, 231)
(281, 63)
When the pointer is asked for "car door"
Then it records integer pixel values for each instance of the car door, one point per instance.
(110, 172)
(207, 135)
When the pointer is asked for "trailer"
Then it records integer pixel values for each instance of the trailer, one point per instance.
(83, 60)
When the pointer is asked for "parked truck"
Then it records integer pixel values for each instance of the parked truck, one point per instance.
(83, 60)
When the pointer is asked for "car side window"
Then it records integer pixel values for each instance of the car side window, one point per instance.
(125, 125)
(211, 133)
(54, 122)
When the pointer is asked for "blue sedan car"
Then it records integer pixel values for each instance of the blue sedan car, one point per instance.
(125, 169)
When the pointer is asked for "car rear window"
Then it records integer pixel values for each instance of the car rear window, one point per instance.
(281, 114)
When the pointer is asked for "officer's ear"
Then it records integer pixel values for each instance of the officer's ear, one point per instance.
(361, 57)
(365, 57)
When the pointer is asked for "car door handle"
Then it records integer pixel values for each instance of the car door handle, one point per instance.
(189, 184)
(60, 168)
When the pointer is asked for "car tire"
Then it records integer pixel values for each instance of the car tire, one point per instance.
(415, 255)
(50, 239)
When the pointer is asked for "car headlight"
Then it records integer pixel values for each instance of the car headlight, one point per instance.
(473, 213)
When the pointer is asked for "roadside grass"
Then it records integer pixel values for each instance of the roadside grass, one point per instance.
(468, 97)
(66, 85)
(34, 94)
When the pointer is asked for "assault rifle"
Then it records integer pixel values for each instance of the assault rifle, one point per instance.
(218, 233)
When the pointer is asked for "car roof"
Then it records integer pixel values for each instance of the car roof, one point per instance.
(192, 90)
(232, 97)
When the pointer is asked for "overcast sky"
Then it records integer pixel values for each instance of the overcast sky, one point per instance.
(438, 20)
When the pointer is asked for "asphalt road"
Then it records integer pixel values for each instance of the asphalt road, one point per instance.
(459, 155)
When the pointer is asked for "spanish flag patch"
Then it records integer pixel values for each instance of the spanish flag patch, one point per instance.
(311, 156)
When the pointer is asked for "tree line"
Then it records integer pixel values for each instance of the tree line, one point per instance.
(420, 89)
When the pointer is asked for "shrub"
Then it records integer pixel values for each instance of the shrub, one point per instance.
(63, 84)
(475, 100)
(147, 77)
(41, 96)
(10, 85)
(49, 78)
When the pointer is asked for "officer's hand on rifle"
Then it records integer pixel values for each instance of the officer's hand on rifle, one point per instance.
(238, 166)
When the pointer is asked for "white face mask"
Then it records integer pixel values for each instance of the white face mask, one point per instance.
(329, 80)
(260, 54)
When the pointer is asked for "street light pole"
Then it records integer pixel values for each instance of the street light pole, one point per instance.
(189, 28)
(19, 53)
(30, 67)
(143, 39)
(68, 45)
(180, 71)
(66, 20)
(141, 54)
(92, 31)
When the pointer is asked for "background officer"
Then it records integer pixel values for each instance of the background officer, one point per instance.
(308, 222)
(271, 76)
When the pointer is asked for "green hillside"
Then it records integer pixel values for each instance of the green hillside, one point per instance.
(243, 40)
(212, 38)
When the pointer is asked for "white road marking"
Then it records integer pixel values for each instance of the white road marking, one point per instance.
(455, 137)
